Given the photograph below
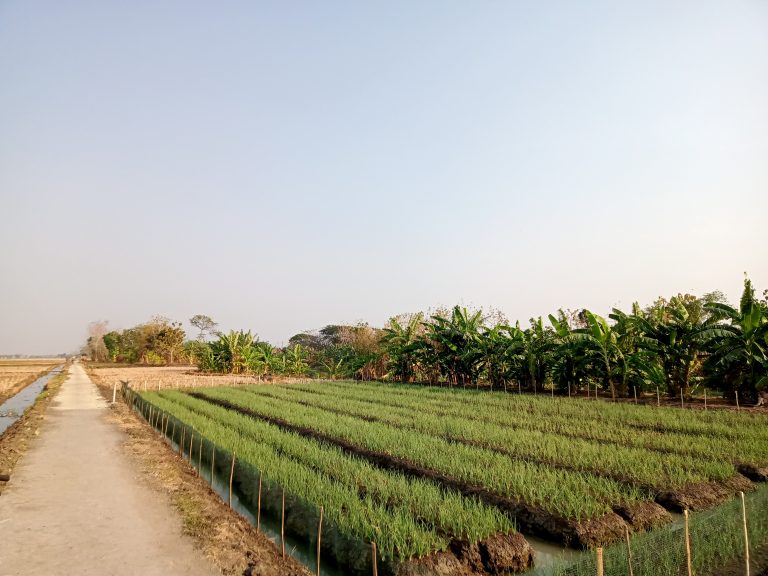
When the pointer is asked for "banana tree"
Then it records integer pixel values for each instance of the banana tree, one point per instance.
(501, 349)
(456, 343)
(535, 355)
(232, 351)
(739, 345)
(296, 360)
(567, 367)
(672, 332)
(333, 367)
(601, 343)
(400, 344)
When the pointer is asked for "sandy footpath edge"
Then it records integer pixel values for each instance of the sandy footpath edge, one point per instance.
(74, 505)
(79, 503)
(222, 535)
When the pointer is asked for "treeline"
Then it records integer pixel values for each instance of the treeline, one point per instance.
(677, 345)
(157, 342)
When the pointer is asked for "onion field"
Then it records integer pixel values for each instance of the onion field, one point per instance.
(458, 477)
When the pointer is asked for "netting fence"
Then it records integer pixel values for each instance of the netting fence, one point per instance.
(717, 545)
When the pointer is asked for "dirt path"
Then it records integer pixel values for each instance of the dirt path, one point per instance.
(75, 506)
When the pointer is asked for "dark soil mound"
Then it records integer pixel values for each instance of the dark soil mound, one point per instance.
(754, 473)
(439, 564)
(644, 515)
(506, 553)
(599, 531)
(498, 555)
(704, 495)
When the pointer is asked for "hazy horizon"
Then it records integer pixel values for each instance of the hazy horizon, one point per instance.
(284, 166)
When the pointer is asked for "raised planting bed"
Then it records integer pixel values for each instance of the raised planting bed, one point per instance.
(419, 526)
(675, 479)
(739, 438)
(695, 464)
(544, 501)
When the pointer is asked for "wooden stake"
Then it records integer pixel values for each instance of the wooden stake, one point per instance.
(200, 457)
(738, 408)
(258, 506)
(282, 525)
(682, 404)
(658, 398)
(600, 571)
(231, 476)
(173, 431)
(705, 399)
(181, 444)
(213, 459)
(319, 534)
(634, 388)
(629, 552)
(374, 559)
(688, 544)
(569, 389)
(191, 457)
(746, 533)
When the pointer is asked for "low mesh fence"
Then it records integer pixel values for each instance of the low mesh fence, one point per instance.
(716, 538)
(717, 545)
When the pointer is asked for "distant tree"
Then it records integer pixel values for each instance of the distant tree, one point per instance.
(94, 346)
(112, 343)
(167, 340)
(205, 324)
(308, 340)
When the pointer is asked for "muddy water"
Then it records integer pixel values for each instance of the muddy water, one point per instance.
(12, 409)
(548, 555)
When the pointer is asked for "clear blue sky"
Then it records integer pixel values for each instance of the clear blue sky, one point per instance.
(284, 165)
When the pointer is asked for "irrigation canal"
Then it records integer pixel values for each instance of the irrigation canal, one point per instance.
(12, 409)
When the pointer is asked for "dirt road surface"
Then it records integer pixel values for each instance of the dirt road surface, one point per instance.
(75, 506)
